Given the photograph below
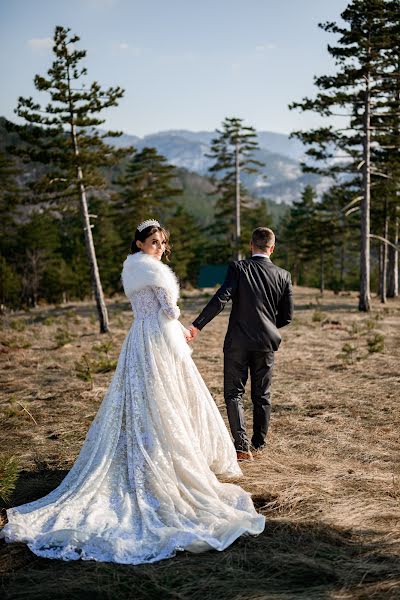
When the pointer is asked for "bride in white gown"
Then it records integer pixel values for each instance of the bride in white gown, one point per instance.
(144, 485)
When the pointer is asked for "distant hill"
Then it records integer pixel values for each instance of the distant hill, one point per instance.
(281, 180)
(186, 150)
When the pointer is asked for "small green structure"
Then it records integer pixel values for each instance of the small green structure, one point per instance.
(211, 275)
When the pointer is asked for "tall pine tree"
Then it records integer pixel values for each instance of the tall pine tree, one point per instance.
(64, 136)
(360, 55)
(148, 189)
(233, 150)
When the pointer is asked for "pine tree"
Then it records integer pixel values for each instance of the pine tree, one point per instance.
(342, 233)
(108, 244)
(297, 232)
(9, 198)
(233, 150)
(362, 76)
(148, 189)
(386, 155)
(38, 246)
(187, 242)
(64, 136)
(10, 280)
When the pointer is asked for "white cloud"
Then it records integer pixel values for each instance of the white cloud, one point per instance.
(40, 43)
(264, 47)
(131, 50)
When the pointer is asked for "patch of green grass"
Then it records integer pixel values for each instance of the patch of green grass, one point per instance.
(15, 343)
(9, 470)
(18, 325)
(63, 337)
(48, 321)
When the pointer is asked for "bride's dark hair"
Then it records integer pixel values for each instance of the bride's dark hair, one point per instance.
(141, 236)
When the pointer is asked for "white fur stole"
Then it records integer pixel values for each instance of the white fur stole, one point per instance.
(141, 270)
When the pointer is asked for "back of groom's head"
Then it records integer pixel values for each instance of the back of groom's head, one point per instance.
(263, 238)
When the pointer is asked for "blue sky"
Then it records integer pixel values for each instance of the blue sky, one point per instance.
(184, 64)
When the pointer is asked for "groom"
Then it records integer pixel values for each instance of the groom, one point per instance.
(262, 302)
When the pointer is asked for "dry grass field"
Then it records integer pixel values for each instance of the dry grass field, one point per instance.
(329, 483)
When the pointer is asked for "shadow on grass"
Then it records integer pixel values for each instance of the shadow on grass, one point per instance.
(307, 560)
(342, 307)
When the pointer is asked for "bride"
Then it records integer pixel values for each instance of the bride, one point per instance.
(144, 484)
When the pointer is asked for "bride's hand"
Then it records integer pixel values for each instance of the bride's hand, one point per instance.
(188, 335)
(193, 331)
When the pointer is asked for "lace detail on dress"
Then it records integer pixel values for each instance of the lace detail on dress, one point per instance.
(143, 485)
(148, 301)
(170, 308)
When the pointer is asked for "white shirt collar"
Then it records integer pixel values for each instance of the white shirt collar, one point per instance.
(263, 255)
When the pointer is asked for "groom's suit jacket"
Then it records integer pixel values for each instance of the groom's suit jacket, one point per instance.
(262, 302)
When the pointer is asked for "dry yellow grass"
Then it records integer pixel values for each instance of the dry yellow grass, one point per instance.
(329, 482)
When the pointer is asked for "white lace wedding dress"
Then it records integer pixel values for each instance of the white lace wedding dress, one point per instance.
(144, 484)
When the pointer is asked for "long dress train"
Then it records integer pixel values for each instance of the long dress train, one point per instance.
(144, 483)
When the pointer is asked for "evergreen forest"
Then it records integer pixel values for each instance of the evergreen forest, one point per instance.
(70, 199)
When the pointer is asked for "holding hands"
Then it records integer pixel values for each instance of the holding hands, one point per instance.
(190, 333)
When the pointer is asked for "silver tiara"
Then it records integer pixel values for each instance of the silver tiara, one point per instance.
(148, 223)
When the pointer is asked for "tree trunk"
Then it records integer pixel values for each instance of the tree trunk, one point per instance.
(237, 203)
(384, 250)
(393, 268)
(91, 254)
(90, 250)
(380, 256)
(365, 295)
(321, 272)
(341, 278)
(295, 274)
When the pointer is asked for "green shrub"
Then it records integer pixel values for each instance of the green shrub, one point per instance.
(348, 352)
(318, 316)
(103, 347)
(369, 324)
(83, 369)
(104, 365)
(376, 343)
(63, 337)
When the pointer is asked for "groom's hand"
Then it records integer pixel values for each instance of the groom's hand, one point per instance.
(193, 332)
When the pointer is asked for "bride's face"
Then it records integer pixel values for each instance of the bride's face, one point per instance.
(153, 245)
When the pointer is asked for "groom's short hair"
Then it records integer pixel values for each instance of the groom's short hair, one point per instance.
(263, 238)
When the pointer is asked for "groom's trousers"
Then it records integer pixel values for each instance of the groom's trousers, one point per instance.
(237, 364)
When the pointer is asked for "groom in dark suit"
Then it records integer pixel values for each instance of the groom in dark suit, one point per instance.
(262, 302)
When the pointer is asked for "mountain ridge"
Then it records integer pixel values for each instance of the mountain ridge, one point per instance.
(281, 180)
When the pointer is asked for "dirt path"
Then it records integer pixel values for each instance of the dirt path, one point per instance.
(329, 483)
